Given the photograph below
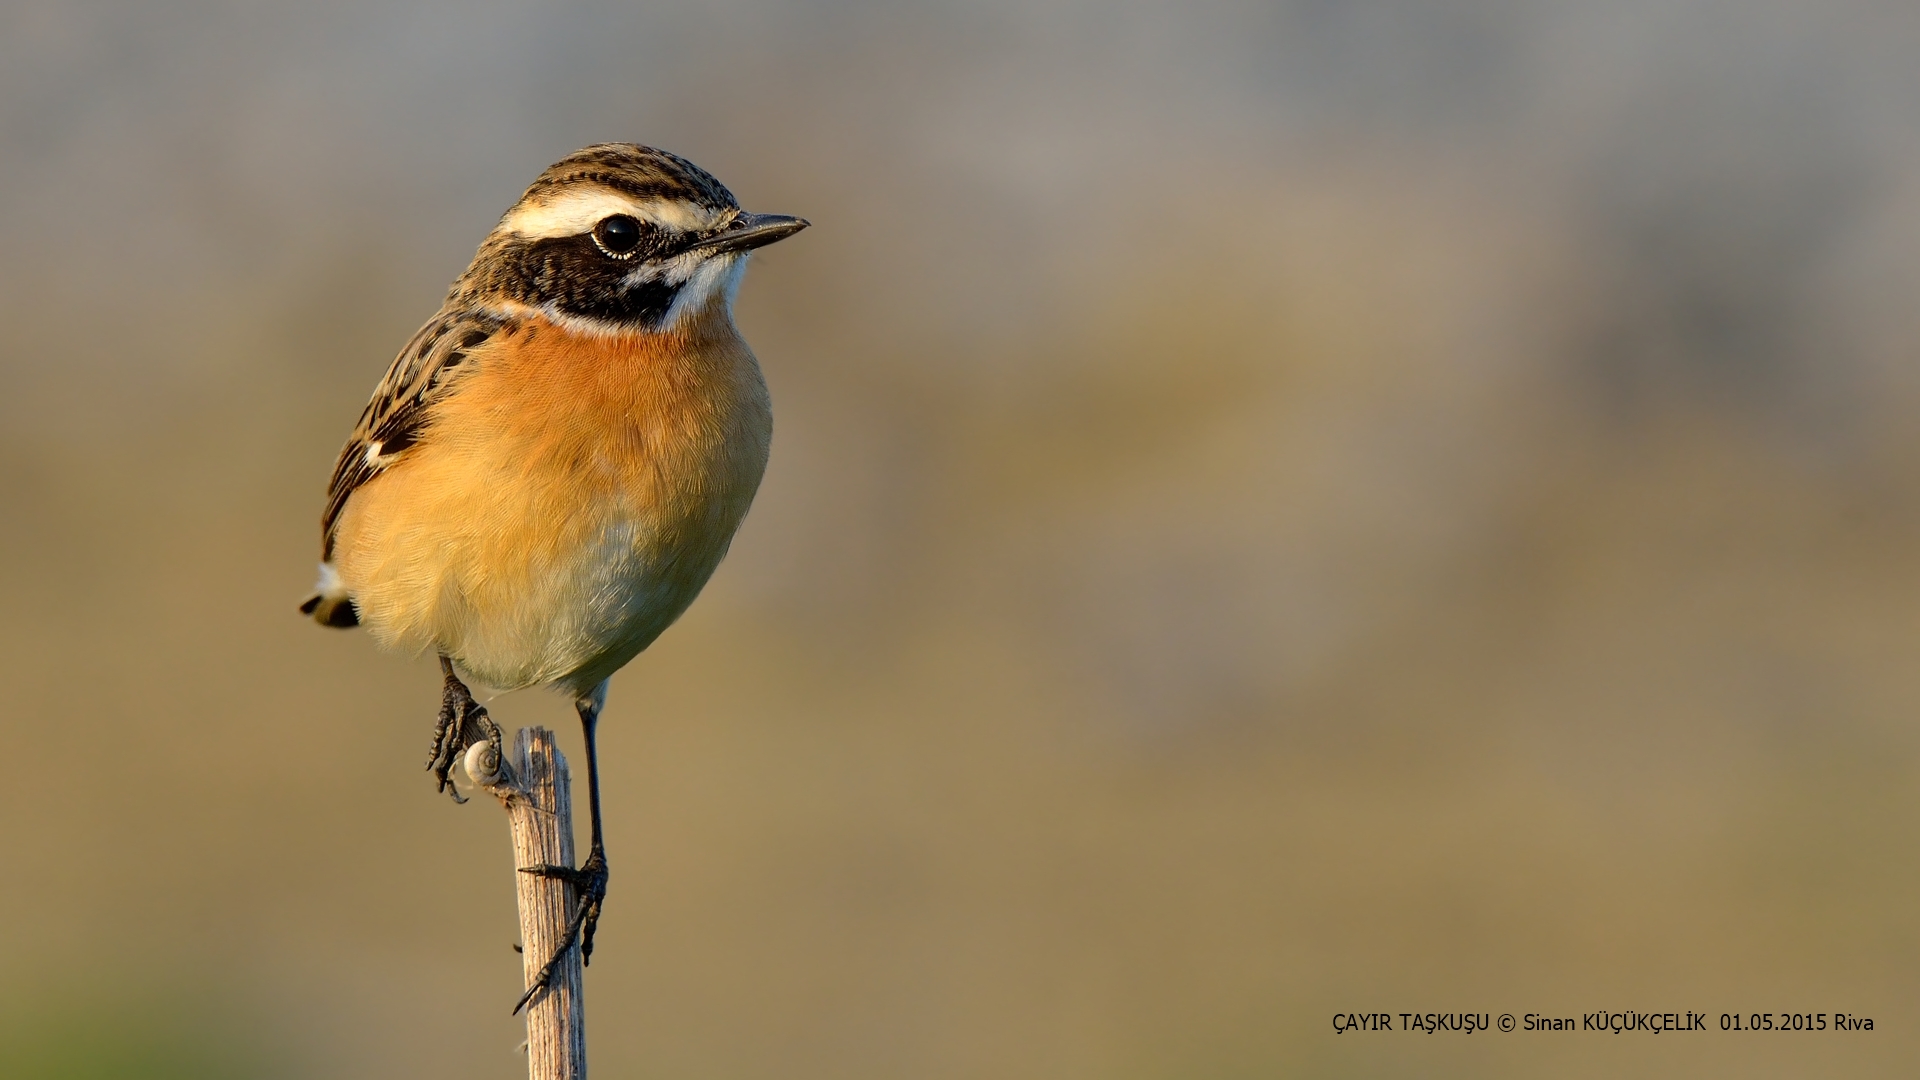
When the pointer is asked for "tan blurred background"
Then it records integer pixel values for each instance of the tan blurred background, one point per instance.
(1276, 510)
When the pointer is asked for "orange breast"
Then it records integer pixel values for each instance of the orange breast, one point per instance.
(565, 505)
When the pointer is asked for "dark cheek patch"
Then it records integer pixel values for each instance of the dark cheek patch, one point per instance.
(646, 304)
(573, 275)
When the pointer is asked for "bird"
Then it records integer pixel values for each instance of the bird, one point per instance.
(557, 461)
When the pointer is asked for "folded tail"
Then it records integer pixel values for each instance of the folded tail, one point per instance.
(331, 606)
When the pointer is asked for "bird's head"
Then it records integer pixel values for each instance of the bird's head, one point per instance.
(619, 238)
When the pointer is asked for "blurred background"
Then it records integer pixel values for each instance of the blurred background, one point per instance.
(1276, 509)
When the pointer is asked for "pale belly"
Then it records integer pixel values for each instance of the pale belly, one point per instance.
(575, 612)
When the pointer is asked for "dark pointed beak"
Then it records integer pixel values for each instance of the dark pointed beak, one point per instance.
(749, 231)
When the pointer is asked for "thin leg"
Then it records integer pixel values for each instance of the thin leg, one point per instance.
(590, 881)
(463, 722)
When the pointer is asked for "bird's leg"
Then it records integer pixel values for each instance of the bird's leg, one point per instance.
(590, 881)
(463, 722)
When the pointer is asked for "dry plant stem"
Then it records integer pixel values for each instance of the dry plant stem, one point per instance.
(533, 786)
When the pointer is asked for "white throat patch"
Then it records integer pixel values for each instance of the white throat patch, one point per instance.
(715, 279)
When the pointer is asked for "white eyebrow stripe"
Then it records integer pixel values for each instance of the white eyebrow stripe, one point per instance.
(573, 212)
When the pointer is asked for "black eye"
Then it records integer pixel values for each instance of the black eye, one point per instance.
(617, 235)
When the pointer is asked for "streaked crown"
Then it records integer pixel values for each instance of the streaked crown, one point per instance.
(621, 236)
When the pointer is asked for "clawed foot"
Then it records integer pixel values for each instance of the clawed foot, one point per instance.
(590, 886)
(463, 722)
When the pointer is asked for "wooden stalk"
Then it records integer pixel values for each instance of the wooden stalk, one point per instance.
(533, 786)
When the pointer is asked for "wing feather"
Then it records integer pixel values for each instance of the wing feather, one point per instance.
(427, 371)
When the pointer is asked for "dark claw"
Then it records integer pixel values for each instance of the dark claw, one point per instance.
(590, 886)
(463, 722)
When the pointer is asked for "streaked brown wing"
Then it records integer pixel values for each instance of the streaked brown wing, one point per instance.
(425, 372)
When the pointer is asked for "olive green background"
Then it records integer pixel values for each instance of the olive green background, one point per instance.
(1276, 510)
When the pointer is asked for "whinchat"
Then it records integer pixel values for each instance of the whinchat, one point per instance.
(557, 461)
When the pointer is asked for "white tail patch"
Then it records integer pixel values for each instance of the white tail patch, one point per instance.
(330, 586)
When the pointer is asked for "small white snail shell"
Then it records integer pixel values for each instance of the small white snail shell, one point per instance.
(482, 764)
